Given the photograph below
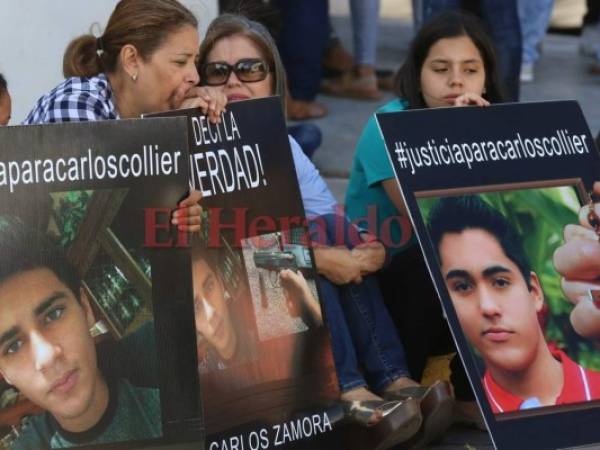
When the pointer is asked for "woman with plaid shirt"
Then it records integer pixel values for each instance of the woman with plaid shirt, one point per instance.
(144, 62)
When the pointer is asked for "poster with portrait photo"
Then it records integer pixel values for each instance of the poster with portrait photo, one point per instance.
(94, 333)
(500, 211)
(265, 362)
(276, 308)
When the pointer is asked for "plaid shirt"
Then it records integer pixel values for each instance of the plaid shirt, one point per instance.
(75, 100)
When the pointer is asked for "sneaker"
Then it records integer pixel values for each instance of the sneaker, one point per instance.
(526, 73)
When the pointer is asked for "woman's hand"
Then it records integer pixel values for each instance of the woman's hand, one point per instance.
(578, 259)
(337, 264)
(209, 99)
(188, 215)
(370, 254)
(469, 98)
(585, 318)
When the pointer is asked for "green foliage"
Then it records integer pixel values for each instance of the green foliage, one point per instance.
(70, 212)
(540, 215)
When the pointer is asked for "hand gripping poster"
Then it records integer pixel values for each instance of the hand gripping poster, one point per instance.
(504, 203)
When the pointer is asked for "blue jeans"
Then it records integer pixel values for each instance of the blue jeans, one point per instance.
(502, 18)
(417, 6)
(362, 332)
(365, 24)
(302, 42)
(534, 16)
(308, 136)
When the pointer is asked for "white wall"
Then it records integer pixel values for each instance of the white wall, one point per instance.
(35, 33)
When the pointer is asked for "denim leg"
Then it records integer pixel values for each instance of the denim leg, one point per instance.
(308, 135)
(432, 8)
(417, 6)
(502, 18)
(534, 16)
(342, 347)
(376, 344)
(378, 347)
(365, 24)
(302, 41)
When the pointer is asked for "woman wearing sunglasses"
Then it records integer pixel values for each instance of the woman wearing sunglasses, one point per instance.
(240, 57)
(144, 62)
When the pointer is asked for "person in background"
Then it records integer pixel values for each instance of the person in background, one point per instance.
(534, 16)
(239, 55)
(144, 62)
(590, 35)
(5, 102)
(302, 41)
(359, 80)
(590, 31)
(451, 62)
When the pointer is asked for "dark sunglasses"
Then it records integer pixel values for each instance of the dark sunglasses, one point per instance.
(249, 70)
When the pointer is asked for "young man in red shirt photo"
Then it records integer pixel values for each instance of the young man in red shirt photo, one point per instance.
(497, 298)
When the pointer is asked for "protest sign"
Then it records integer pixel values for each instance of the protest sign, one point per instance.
(96, 321)
(264, 358)
(496, 196)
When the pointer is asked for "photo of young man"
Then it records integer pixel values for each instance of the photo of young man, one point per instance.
(237, 369)
(221, 344)
(497, 298)
(224, 330)
(49, 355)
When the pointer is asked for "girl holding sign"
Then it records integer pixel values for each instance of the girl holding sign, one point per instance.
(144, 62)
(239, 56)
(451, 62)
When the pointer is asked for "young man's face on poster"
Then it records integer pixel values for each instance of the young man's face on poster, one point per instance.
(496, 309)
(213, 322)
(46, 350)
